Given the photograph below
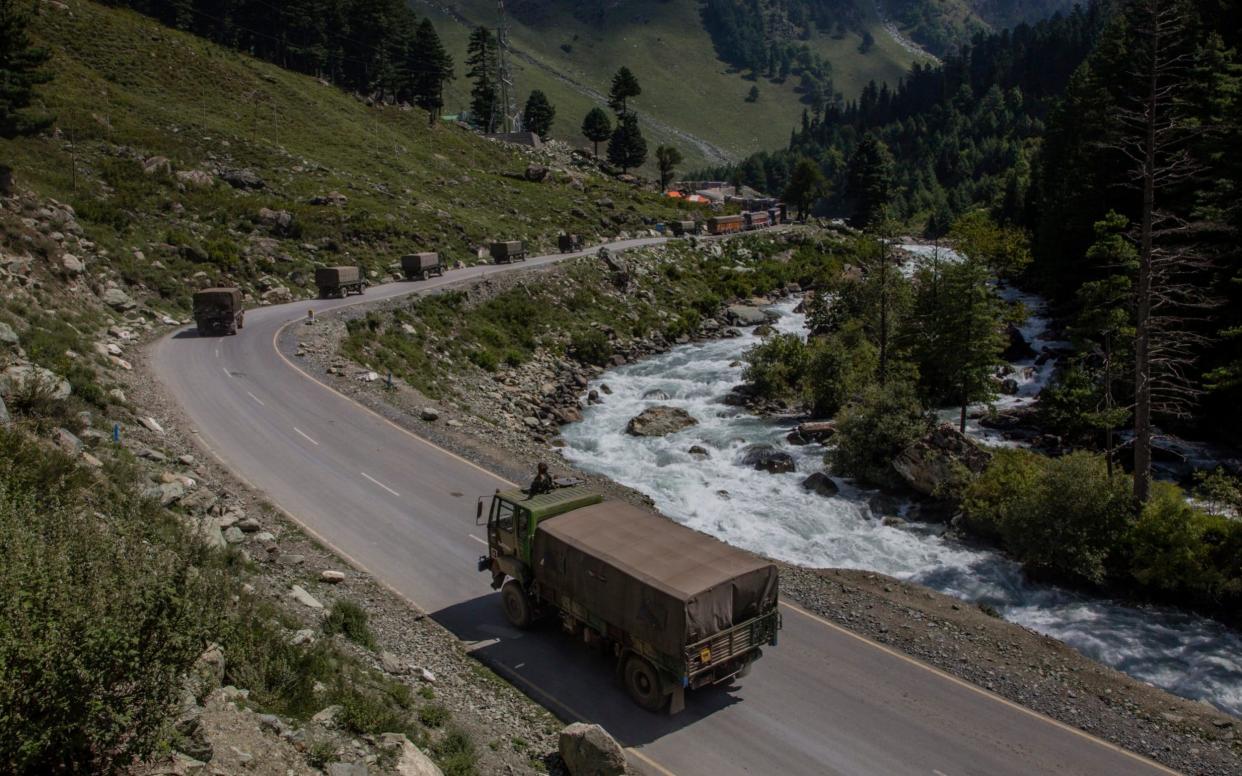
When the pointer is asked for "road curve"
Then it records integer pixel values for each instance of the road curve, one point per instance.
(824, 701)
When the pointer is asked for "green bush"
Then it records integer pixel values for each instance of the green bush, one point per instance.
(363, 712)
(455, 754)
(591, 347)
(349, 619)
(1064, 517)
(873, 429)
(99, 617)
(776, 367)
(1172, 546)
(434, 715)
(997, 495)
(839, 367)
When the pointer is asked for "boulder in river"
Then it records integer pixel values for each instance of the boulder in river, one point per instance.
(934, 465)
(767, 458)
(1018, 348)
(821, 484)
(659, 421)
(656, 394)
(744, 315)
(698, 452)
(812, 431)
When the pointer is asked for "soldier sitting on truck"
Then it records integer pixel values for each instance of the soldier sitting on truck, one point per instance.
(542, 482)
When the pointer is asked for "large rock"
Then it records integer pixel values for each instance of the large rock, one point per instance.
(1018, 348)
(938, 463)
(7, 335)
(5, 418)
(812, 431)
(768, 459)
(242, 179)
(24, 377)
(410, 759)
(118, 299)
(821, 484)
(207, 673)
(588, 750)
(744, 315)
(659, 421)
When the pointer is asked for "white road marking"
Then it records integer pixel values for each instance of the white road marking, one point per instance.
(227, 373)
(382, 485)
(304, 436)
(477, 539)
(938, 773)
(217, 351)
(256, 398)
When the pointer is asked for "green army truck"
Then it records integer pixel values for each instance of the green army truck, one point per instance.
(508, 251)
(218, 311)
(676, 608)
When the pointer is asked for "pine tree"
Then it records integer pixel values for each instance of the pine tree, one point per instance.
(624, 87)
(870, 180)
(484, 71)
(596, 127)
(538, 114)
(431, 67)
(20, 73)
(806, 185)
(627, 149)
(667, 159)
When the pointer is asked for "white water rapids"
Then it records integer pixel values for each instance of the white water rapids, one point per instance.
(772, 515)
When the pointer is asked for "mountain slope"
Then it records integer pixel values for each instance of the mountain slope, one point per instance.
(181, 157)
(690, 97)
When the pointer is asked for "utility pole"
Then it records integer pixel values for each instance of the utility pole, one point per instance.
(511, 120)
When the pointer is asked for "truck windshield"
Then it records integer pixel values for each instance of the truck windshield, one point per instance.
(504, 516)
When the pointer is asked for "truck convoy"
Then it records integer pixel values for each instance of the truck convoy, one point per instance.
(339, 281)
(421, 265)
(508, 251)
(218, 311)
(676, 608)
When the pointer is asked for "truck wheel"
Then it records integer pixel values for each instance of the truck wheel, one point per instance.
(643, 683)
(516, 604)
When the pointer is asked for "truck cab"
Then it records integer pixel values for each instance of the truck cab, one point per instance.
(512, 518)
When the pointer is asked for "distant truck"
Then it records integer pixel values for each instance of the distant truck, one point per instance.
(569, 243)
(508, 251)
(683, 228)
(757, 219)
(339, 281)
(677, 608)
(218, 311)
(421, 265)
(725, 224)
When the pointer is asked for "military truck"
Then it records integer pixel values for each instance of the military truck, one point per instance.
(421, 265)
(218, 311)
(339, 281)
(676, 608)
(683, 228)
(569, 243)
(508, 251)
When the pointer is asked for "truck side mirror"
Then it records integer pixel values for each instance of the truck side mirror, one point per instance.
(478, 512)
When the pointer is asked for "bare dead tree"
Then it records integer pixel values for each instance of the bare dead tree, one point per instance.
(1154, 132)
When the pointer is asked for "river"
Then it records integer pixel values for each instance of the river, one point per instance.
(772, 515)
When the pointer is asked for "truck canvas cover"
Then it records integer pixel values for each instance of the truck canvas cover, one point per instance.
(329, 276)
(659, 581)
(416, 262)
(217, 298)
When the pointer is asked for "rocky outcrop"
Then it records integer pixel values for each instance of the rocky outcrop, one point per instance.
(1018, 348)
(940, 461)
(588, 750)
(768, 459)
(27, 377)
(659, 421)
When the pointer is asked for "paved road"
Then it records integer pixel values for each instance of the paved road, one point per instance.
(823, 702)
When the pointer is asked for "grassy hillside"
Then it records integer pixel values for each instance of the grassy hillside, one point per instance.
(690, 98)
(152, 124)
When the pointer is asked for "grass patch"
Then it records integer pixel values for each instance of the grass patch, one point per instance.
(455, 754)
(434, 715)
(350, 620)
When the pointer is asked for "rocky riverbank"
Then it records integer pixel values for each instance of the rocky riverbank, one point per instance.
(959, 638)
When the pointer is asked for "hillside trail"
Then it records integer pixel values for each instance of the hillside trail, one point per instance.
(708, 149)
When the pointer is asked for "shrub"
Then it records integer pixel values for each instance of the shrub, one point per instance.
(455, 754)
(874, 429)
(100, 619)
(363, 712)
(993, 499)
(434, 715)
(349, 619)
(839, 366)
(591, 347)
(775, 368)
(1171, 547)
